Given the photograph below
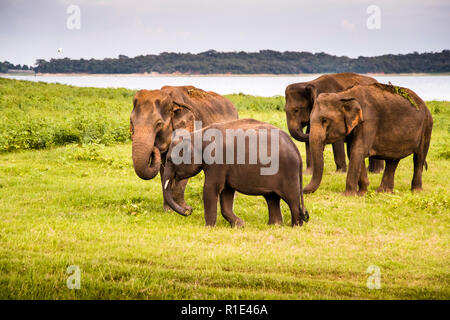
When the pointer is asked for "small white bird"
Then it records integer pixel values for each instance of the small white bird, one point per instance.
(60, 50)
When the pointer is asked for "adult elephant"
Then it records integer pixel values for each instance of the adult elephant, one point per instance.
(383, 121)
(300, 99)
(158, 113)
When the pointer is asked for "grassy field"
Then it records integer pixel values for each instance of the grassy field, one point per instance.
(69, 196)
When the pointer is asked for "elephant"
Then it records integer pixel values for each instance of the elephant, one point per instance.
(382, 121)
(300, 99)
(157, 114)
(239, 172)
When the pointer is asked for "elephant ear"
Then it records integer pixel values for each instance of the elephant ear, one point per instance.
(312, 92)
(184, 113)
(352, 113)
(184, 116)
(182, 105)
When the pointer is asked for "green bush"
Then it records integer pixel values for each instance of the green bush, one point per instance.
(244, 102)
(40, 115)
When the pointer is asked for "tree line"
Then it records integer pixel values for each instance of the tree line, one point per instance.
(264, 61)
(6, 65)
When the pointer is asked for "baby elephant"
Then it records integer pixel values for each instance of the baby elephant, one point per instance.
(235, 156)
(381, 121)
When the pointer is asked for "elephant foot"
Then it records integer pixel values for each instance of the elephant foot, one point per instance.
(382, 189)
(349, 193)
(238, 223)
(275, 223)
(167, 207)
(416, 189)
(361, 192)
(341, 170)
(308, 171)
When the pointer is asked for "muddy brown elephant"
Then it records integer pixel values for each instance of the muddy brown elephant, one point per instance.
(155, 116)
(382, 121)
(234, 170)
(300, 99)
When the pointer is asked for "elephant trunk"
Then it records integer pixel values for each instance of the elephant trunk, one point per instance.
(142, 151)
(169, 174)
(298, 134)
(317, 144)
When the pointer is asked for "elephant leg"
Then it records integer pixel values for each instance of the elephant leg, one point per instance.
(419, 162)
(339, 156)
(210, 197)
(354, 171)
(387, 182)
(416, 183)
(273, 203)
(226, 207)
(363, 182)
(375, 165)
(309, 167)
(294, 206)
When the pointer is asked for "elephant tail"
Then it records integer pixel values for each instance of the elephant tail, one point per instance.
(425, 164)
(304, 212)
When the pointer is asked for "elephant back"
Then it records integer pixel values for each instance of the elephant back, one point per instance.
(207, 106)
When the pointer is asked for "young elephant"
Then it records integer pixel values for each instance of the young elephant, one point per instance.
(300, 99)
(231, 164)
(383, 121)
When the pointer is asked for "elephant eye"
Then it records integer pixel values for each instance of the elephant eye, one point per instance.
(159, 125)
(131, 127)
(324, 120)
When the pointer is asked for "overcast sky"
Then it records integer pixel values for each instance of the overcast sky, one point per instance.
(37, 28)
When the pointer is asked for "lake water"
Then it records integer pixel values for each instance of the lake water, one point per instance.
(428, 87)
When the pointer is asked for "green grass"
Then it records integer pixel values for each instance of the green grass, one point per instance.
(41, 115)
(82, 204)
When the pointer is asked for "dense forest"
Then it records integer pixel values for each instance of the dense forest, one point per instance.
(264, 61)
(5, 66)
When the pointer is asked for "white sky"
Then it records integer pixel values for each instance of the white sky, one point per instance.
(36, 29)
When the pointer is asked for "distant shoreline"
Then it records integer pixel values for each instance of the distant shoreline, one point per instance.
(176, 75)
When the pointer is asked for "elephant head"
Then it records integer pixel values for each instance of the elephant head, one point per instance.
(300, 99)
(156, 114)
(332, 119)
(179, 165)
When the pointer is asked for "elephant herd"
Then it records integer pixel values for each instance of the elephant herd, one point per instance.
(383, 122)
